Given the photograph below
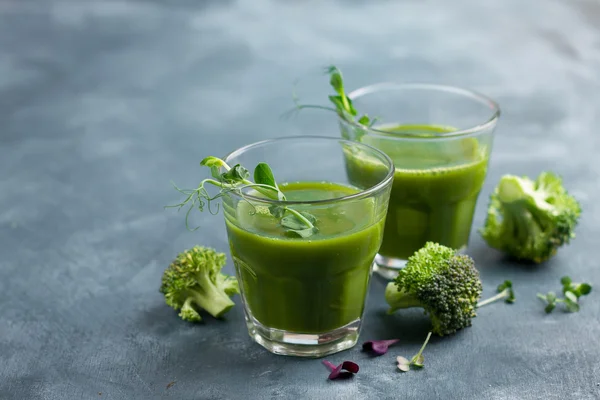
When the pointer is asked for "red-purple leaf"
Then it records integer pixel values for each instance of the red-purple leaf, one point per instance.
(336, 372)
(350, 366)
(379, 347)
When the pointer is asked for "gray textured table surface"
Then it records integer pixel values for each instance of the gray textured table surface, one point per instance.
(103, 102)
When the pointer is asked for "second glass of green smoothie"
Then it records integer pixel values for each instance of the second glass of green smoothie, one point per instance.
(305, 295)
(440, 139)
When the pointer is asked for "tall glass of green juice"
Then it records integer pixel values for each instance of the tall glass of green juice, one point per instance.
(440, 139)
(305, 296)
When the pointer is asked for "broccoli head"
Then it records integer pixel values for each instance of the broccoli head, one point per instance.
(194, 281)
(445, 284)
(530, 220)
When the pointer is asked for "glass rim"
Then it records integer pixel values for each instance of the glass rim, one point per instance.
(473, 95)
(386, 181)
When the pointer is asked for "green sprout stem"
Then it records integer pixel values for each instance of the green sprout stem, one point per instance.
(301, 217)
(417, 356)
(345, 101)
(502, 295)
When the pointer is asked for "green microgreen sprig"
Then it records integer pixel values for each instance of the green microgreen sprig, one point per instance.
(505, 292)
(235, 180)
(417, 361)
(572, 292)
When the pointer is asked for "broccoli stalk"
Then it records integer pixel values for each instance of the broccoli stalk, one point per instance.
(446, 285)
(208, 297)
(194, 281)
(530, 220)
(398, 299)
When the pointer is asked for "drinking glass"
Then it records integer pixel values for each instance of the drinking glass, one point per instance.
(305, 296)
(440, 139)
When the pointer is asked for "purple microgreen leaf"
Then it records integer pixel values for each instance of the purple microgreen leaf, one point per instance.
(350, 366)
(379, 347)
(336, 372)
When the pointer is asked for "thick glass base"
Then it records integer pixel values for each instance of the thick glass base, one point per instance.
(304, 344)
(388, 267)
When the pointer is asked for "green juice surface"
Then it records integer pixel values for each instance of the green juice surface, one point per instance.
(435, 190)
(306, 285)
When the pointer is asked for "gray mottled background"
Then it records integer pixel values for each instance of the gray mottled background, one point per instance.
(103, 102)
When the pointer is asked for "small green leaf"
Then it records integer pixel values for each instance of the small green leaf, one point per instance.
(292, 222)
(585, 289)
(550, 300)
(571, 297)
(303, 233)
(277, 211)
(507, 286)
(235, 174)
(214, 164)
(571, 302)
(296, 227)
(364, 120)
(263, 175)
(336, 81)
(578, 289)
(565, 280)
(212, 161)
(339, 104)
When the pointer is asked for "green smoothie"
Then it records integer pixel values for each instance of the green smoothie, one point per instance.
(306, 285)
(435, 189)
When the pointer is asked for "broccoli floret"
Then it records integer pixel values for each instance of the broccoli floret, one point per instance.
(530, 220)
(445, 284)
(194, 281)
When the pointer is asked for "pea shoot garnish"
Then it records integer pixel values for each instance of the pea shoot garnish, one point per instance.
(341, 101)
(236, 180)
